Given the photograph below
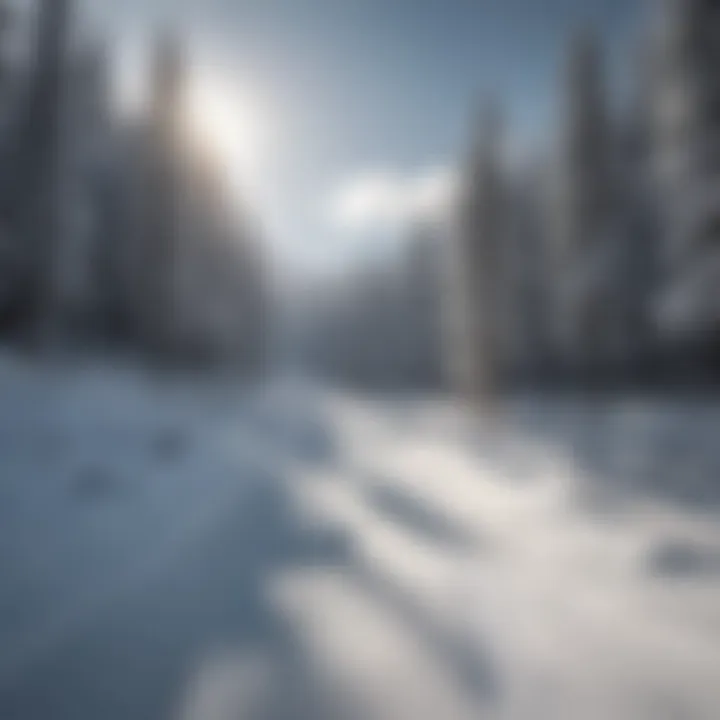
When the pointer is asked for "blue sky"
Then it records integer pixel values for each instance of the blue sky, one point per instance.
(358, 87)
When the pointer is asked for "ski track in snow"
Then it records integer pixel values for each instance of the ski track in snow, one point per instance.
(178, 549)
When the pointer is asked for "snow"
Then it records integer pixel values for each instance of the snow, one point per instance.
(191, 548)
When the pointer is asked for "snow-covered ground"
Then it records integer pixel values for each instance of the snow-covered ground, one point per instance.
(202, 550)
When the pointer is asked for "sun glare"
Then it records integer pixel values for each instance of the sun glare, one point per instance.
(225, 120)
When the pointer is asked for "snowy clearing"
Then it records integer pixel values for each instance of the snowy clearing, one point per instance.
(177, 549)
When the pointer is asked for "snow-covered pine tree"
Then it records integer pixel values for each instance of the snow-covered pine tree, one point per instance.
(474, 292)
(155, 310)
(585, 248)
(687, 151)
(33, 204)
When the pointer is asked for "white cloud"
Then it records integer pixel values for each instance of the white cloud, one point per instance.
(387, 200)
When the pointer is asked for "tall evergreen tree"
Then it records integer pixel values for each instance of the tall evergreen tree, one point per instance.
(475, 316)
(526, 276)
(160, 210)
(637, 274)
(585, 246)
(687, 148)
(31, 202)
